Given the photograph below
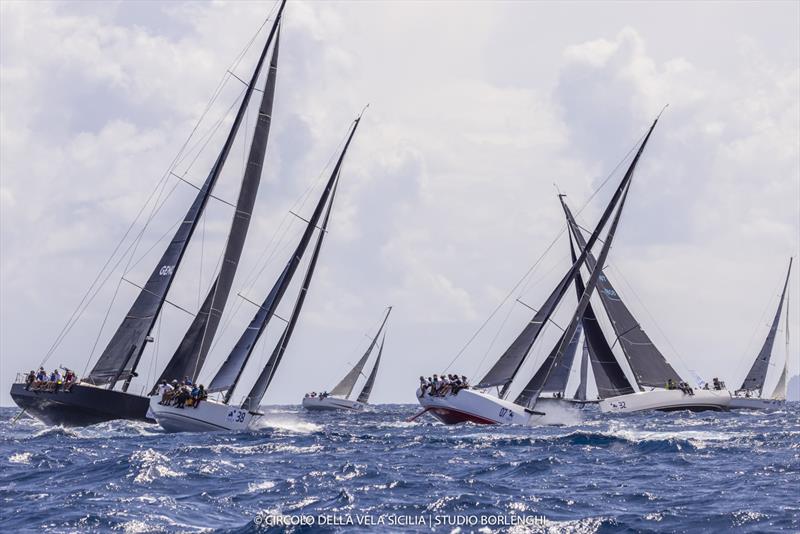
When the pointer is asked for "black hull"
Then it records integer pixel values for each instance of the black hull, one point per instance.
(81, 406)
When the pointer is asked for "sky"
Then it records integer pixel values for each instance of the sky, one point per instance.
(479, 114)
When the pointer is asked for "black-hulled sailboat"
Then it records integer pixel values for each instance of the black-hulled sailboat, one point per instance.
(220, 415)
(93, 398)
(751, 393)
(339, 396)
(476, 404)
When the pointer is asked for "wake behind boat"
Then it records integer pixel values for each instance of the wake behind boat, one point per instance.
(338, 399)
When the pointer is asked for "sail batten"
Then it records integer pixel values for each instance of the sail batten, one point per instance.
(188, 359)
(754, 381)
(649, 366)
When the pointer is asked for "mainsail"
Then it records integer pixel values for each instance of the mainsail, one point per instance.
(647, 363)
(556, 381)
(191, 353)
(758, 372)
(345, 386)
(506, 367)
(123, 352)
(363, 397)
(580, 393)
(228, 375)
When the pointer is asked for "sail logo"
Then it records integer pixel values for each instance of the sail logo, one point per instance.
(166, 270)
(610, 292)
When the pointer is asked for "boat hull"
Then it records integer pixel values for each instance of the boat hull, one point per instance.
(667, 401)
(208, 416)
(471, 406)
(83, 405)
(755, 403)
(329, 404)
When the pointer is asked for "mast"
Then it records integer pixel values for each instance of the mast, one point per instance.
(229, 374)
(509, 364)
(258, 390)
(363, 397)
(758, 372)
(587, 294)
(121, 356)
(649, 366)
(345, 387)
(191, 353)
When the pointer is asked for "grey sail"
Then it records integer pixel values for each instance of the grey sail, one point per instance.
(363, 397)
(123, 352)
(253, 399)
(191, 353)
(580, 393)
(345, 386)
(508, 365)
(591, 284)
(647, 363)
(758, 372)
(231, 371)
(556, 381)
(608, 374)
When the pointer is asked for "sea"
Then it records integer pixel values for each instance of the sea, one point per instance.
(376, 472)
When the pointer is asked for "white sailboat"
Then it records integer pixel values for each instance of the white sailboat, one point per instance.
(476, 404)
(650, 368)
(750, 396)
(338, 398)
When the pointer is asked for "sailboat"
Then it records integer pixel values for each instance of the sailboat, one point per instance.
(338, 398)
(649, 366)
(476, 404)
(220, 415)
(93, 398)
(751, 394)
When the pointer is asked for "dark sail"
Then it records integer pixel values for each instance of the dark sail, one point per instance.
(758, 372)
(253, 399)
(363, 397)
(608, 374)
(580, 393)
(228, 375)
(583, 303)
(345, 386)
(557, 379)
(188, 359)
(647, 363)
(505, 368)
(123, 352)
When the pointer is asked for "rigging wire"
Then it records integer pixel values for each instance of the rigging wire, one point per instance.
(83, 304)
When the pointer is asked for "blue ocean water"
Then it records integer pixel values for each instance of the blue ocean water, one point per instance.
(373, 472)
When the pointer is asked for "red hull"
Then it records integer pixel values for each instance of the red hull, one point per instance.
(450, 416)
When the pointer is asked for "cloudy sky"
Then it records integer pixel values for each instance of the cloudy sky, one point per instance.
(478, 111)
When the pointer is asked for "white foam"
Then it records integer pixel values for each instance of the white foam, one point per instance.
(20, 458)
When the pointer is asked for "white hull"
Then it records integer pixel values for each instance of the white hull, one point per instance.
(332, 404)
(469, 405)
(209, 416)
(755, 403)
(667, 400)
